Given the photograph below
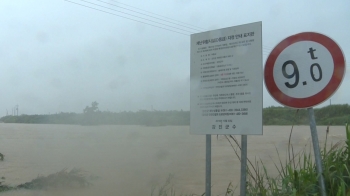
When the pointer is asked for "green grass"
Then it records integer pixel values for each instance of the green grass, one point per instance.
(297, 176)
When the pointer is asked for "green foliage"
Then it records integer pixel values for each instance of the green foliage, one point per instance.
(329, 115)
(298, 175)
(91, 115)
(92, 109)
(142, 117)
(333, 115)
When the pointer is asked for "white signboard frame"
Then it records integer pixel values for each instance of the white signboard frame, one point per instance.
(227, 81)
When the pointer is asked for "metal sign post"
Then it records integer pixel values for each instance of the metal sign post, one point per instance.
(243, 166)
(208, 165)
(316, 146)
(226, 85)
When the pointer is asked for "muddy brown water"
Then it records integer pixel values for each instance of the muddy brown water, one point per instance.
(130, 160)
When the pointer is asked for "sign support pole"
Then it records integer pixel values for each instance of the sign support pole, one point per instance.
(316, 151)
(243, 165)
(208, 166)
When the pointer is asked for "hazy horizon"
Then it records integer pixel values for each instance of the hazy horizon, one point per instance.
(61, 55)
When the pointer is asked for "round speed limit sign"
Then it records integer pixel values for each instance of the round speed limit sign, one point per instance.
(304, 70)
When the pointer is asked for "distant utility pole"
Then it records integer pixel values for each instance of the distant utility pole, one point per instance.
(14, 111)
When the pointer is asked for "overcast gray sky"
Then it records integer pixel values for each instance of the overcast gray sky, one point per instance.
(57, 56)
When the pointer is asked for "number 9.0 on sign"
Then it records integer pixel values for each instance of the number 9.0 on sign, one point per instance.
(304, 70)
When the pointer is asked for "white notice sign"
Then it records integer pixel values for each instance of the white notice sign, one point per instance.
(227, 81)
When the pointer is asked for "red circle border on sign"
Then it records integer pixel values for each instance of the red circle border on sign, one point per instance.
(326, 92)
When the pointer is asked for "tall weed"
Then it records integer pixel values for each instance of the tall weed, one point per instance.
(297, 176)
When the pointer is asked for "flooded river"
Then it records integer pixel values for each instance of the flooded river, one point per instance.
(130, 160)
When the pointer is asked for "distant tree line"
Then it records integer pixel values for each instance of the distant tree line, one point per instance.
(93, 116)
(329, 115)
